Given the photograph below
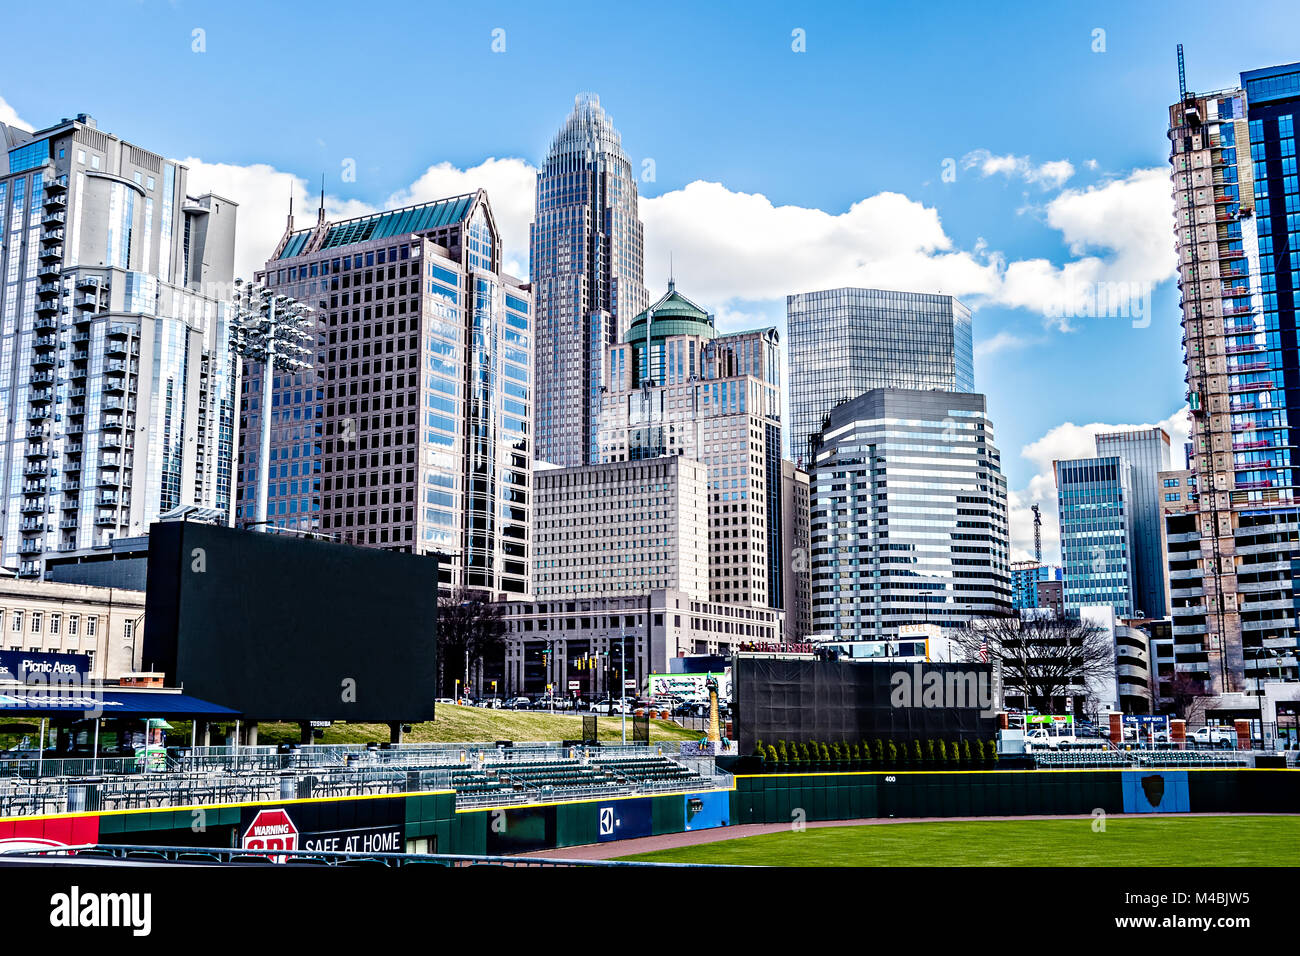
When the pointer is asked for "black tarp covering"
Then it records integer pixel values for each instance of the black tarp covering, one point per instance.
(801, 700)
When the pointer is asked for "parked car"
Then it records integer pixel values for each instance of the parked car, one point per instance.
(608, 706)
(446, 700)
(1215, 737)
(520, 703)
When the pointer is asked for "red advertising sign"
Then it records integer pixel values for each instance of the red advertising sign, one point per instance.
(271, 830)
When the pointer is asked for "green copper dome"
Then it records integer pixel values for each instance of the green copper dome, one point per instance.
(673, 314)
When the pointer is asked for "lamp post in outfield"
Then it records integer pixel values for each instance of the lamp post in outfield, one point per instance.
(277, 331)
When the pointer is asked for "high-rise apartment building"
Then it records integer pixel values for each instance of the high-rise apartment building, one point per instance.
(413, 430)
(621, 528)
(117, 382)
(909, 516)
(677, 387)
(1236, 193)
(586, 264)
(1147, 452)
(844, 342)
(1095, 507)
(796, 543)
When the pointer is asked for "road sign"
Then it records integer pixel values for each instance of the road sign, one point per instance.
(271, 830)
(574, 684)
(629, 683)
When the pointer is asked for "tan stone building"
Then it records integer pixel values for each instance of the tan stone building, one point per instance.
(107, 624)
(621, 528)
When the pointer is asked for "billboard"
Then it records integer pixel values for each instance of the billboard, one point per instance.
(43, 668)
(338, 826)
(803, 700)
(280, 627)
(689, 686)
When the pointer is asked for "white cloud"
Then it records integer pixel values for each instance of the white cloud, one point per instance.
(737, 252)
(1001, 342)
(1052, 174)
(9, 116)
(263, 191)
(1063, 442)
(511, 185)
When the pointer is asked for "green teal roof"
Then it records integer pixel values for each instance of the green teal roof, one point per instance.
(432, 215)
(674, 314)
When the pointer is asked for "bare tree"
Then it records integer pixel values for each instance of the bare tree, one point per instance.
(1044, 658)
(1187, 696)
(470, 627)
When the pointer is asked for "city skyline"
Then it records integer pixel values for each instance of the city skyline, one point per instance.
(1024, 211)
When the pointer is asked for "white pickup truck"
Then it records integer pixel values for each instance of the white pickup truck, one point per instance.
(1040, 739)
(1215, 736)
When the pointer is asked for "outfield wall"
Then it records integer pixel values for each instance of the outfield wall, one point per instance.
(430, 822)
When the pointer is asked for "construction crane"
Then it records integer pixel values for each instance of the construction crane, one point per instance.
(1038, 535)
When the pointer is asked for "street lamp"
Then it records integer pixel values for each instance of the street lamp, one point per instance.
(270, 328)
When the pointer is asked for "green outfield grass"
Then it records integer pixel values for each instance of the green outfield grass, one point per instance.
(1127, 841)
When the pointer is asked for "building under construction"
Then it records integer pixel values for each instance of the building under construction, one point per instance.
(1232, 533)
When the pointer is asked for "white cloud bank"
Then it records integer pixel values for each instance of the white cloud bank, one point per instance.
(9, 116)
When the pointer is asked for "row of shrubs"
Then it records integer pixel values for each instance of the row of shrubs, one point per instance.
(878, 755)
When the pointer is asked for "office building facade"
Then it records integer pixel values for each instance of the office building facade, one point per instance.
(413, 430)
(676, 387)
(1094, 506)
(1147, 452)
(796, 556)
(586, 264)
(1235, 195)
(1026, 576)
(844, 342)
(553, 643)
(909, 516)
(621, 528)
(117, 382)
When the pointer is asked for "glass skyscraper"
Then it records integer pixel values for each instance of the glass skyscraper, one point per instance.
(844, 342)
(586, 264)
(117, 382)
(412, 430)
(1095, 502)
(1147, 453)
(908, 516)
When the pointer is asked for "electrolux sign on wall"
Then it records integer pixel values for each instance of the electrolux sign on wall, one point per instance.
(36, 668)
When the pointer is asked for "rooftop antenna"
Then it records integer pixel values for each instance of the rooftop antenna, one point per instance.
(290, 227)
(320, 215)
(671, 285)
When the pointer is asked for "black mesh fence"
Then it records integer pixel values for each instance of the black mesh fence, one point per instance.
(588, 728)
(800, 700)
(641, 729)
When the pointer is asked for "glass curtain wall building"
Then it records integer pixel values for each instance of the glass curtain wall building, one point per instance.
(909, 516)
(586, 263)
(117, 382)
(844, 342)
(1147, 453)
(412, 432)
(1237, 227)
(1095, 508)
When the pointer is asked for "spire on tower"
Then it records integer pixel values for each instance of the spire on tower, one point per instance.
(320, 215)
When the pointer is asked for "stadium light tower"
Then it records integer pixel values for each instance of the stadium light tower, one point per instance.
(276, 331)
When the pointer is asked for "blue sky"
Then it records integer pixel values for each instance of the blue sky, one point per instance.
(867, 114)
